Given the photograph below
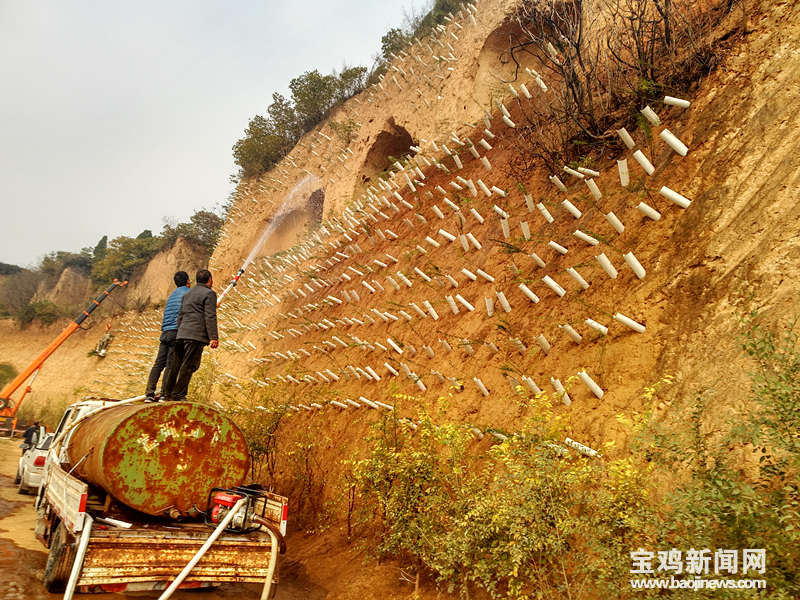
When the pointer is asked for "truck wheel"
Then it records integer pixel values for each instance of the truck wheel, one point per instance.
(59, 561)
(17, 477)
(23, 489)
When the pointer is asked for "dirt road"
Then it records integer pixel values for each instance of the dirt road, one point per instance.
(22, 557)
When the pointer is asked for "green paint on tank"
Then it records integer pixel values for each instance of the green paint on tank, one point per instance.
(160, 456)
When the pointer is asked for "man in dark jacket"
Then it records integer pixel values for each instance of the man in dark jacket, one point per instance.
(197, 328)
(169, 333)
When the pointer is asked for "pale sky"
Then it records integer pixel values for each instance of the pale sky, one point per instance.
(116, 114)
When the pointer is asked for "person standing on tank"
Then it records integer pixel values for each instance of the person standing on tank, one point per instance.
(169, 334)
(197, 328)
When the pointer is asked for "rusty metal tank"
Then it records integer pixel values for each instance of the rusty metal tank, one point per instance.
(159, 458)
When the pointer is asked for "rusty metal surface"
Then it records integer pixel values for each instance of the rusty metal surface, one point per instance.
(157, 456)
(117, 558)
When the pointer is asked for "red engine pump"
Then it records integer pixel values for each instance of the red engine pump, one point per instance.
(249, 518)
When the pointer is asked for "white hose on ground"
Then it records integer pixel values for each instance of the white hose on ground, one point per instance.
(78, 565)
(211, 539)
(273, 562)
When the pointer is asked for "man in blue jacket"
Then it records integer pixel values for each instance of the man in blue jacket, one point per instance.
(197, 328)
(169, 333)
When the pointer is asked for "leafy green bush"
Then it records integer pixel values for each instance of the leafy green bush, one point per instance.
(45, 311)
(7, 374)
(123, 257)
(204, 228)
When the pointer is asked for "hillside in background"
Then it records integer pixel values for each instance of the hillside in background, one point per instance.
(391, 252)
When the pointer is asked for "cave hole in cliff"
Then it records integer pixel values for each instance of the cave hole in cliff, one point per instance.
(393, 141)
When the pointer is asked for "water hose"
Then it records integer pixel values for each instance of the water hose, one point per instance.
(211, 539)
(231, 285)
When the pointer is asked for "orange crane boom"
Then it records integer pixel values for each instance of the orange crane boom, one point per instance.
(7, 408)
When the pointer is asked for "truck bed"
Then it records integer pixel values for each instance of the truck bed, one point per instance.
(158, 553)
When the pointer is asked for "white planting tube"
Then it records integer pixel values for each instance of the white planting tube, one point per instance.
(486, 163)
(339, 404)
(525, 90)
(607, 266)
(439, 376)
(503, 214)
(615, 222)
(561, 392)
(493, 348)
(484, 189)
(574, 173)
(586, 238)
(519, 345)
(637, 327)
(508, 122)
(503, 302)
(432, 241)
(539, 262)
(485, 144)
(404, 279)
(545, 213)
(458, 161)
(437, 212)
(418, 310)
(392, 282)
(557, 247)
(473, 190)
(554, 286)
(676, 102)
(571, 208)
(450, 204)
(469, 274)
(577, 277)
(543, 344)
(452, 304)
(624, 175)
(392, 370)
(576, 337)
(531, 385)
(498, 191)
(525, 290)
(395, 346)
(634, 264)
(558, 183)
(489, 306)
(474, 151)
(431, 311)
(368, 286)
(591, 384)
(529, 202)
(474, 241)
(478, 382)
(673, 142)
(466, 304)
(445, 234)
(445, 345)
(486, 276)
(601, 329)
(464, 242)
(594, 189)
(421, 249)
(649, 211)
(405, 315)
(421, 274)
(681, 201)
(626, 137)
(467, 347)
(651, 116)
(506, 228)
(352, 403)
(589, 172)
(477, 215)
(452, 281)
(371, 371)
(646, 164)
(429, 351)
(369, 403)
(420, 385)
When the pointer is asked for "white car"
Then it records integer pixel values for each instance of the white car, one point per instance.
(31, 465)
